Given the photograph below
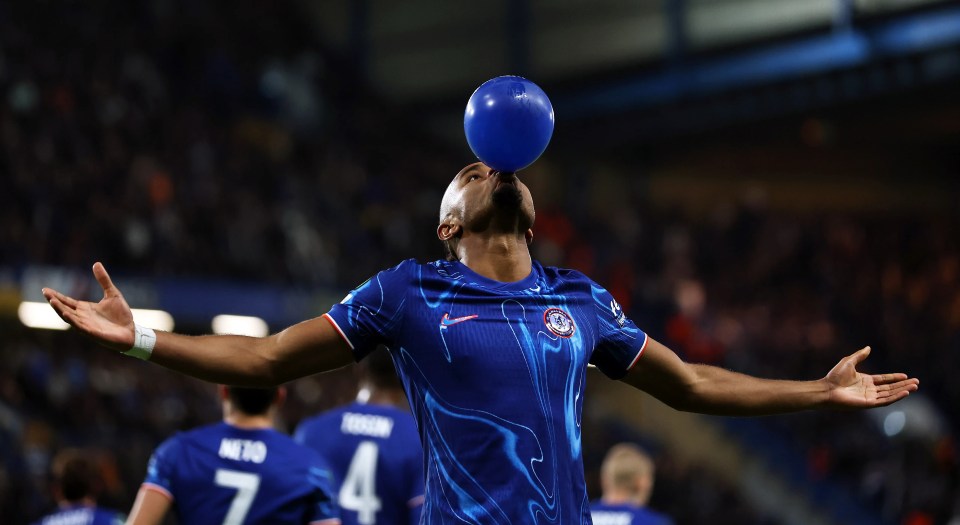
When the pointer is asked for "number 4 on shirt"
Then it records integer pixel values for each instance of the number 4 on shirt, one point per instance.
(358, 492)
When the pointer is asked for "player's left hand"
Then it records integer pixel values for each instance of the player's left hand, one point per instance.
(849, 388)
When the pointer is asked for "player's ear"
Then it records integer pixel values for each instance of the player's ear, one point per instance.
(222, 392)
(644, 486)
(447, 231)
(281, 396)
(529, 236)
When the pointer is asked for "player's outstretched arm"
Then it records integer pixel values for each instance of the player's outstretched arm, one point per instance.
(303, 349)
(713, 390)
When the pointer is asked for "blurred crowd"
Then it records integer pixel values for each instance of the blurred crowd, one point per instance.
(166, 138)
(161, 136)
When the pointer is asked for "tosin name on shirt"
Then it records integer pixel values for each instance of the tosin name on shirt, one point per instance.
(243, 450)
(366, 425)
(612, 518)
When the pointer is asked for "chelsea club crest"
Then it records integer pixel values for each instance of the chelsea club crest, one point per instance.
(559, 322)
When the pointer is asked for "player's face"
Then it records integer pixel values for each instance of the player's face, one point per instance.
(480, 195)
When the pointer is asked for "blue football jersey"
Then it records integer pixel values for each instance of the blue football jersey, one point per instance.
(83, 515)
(376, 458)
(495, 375)
(626, 514)
(224, 474)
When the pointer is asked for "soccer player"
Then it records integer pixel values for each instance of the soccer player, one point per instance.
(238, 471)
(626, 479)
(75, 487)
(492, 348)
(373, 448)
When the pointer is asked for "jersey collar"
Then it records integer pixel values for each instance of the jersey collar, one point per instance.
(527, 282)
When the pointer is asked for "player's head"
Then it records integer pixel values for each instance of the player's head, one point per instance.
(252, 401)
(482, 200)
(75, 476)
(627, 473)
(377, 371)
(378, 381)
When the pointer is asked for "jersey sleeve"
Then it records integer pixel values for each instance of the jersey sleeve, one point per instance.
(305, 434)
(620, 343)
(161, 470)
(315, 433)
(373, 312)
(323, 507)
(109, 517)
(300, 434)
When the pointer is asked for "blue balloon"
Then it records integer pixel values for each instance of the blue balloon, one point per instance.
(508, 123)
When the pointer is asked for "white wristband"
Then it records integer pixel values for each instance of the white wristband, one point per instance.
(143, 340)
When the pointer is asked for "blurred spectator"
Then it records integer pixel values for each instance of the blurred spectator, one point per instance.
(626, 477)
(76, 486)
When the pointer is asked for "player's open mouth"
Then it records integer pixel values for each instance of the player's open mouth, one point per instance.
(505, 179)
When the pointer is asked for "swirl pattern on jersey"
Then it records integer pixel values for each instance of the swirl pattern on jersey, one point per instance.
(497, 393)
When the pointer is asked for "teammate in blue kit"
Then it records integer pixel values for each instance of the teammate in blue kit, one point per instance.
(373, 448)
(75, 487)
(239, 471)
(626, 478)
(492, 349)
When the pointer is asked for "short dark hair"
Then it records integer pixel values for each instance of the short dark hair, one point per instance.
(75, 474)
(251, 401)
(379, 370)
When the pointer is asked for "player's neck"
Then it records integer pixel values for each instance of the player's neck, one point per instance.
(614, 497)
(238, 419)
(504, 258)
(387, 397)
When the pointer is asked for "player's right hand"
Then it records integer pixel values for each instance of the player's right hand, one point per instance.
(109, 321)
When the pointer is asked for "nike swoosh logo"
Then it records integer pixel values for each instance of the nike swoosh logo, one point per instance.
(446, 321)
(535, 289)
